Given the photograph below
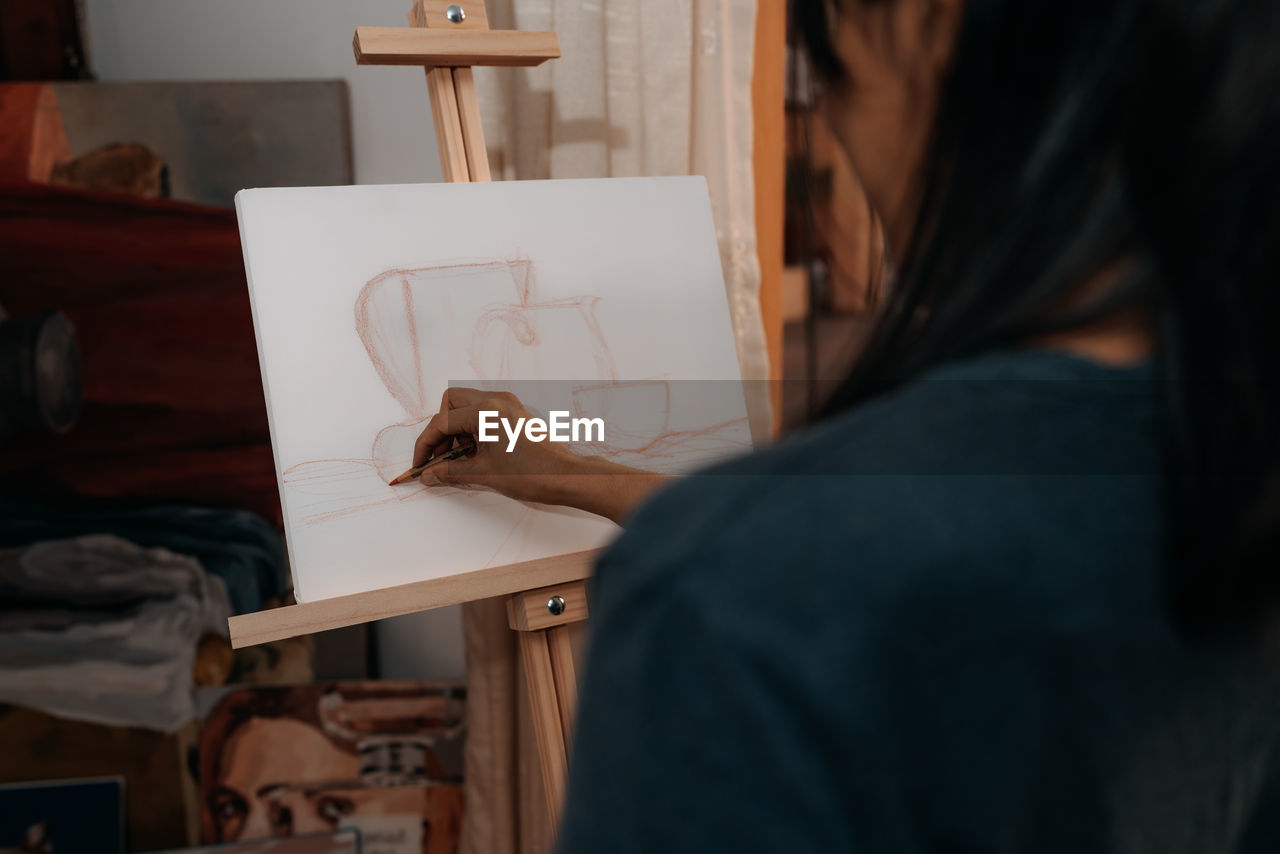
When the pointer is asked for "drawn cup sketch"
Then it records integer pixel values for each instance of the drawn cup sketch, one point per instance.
(482, 323)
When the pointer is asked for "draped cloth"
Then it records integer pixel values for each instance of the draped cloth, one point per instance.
(645, 87)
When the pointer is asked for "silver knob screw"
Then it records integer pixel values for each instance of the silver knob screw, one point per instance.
(556, 605)
(456, 14)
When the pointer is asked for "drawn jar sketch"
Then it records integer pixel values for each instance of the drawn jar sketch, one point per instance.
(482, 324)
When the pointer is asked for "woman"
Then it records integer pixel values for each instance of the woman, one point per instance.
(1016, 590)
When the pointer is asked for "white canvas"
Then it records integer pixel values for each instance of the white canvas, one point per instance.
(369, 301)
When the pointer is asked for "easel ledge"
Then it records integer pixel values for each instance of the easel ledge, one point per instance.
(307, 617)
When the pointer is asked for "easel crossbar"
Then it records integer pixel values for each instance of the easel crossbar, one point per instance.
(420, 46)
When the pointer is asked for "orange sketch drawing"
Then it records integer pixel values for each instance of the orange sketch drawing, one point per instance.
(482, 323)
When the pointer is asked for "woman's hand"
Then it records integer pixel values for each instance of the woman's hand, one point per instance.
(545, 472)
(528, 472)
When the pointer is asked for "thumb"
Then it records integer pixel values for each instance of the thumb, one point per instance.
(459, 472)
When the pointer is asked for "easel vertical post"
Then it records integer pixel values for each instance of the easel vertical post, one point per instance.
(445, 114)
(541, 617)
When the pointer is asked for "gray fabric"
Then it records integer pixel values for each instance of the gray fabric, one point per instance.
(115, 640)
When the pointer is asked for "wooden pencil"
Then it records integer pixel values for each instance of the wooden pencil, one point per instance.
(415, 472)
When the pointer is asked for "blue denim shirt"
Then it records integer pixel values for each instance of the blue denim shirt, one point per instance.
(934, 623)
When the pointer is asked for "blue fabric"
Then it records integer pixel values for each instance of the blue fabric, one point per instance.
(237, 546)
(935, 623)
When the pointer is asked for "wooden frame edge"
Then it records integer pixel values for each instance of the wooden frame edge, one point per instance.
(419, 46)
(321, 615)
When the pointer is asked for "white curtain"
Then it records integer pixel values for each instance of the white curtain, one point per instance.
(644, 87)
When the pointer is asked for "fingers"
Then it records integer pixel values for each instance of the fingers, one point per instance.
(459, 414)
(465, 471)
(458, 397)
(431, 437)
(478, 461)
(439, 434)
(441, 473)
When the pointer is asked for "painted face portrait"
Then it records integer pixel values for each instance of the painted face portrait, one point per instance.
(281, 762)
(272, 767)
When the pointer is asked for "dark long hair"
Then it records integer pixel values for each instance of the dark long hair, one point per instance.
(1074, 138)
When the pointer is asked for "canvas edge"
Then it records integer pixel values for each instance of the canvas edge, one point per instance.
(242, 215)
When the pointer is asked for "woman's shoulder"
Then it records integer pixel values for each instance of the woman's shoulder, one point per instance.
(989, 468)
(1009, 412)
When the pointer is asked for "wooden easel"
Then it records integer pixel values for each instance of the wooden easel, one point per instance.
(447, 38)
(545, 596)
